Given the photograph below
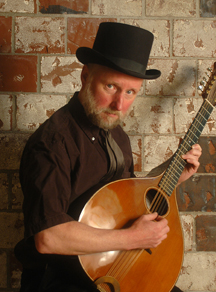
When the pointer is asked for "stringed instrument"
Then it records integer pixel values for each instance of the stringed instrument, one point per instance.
(119, 203)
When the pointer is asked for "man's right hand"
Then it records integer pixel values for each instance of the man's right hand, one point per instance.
(149, 231)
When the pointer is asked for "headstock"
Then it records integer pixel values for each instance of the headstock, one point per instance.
(208, 86)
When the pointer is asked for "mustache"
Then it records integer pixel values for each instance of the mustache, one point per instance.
(110, 111)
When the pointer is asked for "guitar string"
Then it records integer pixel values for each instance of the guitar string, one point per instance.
(206, 108)
(127, 259)
(169, 178)
(181, 153)
(170, 175)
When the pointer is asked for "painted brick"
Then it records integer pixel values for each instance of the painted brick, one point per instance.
(33, 110)
(17, 195)
(176, 8)
(60, 74)
(18, 73)
(5, 112)
(207, 8)
(82, 31)
(15, 271)
(149, 115)
(125, 8)
(39, 35)
(11, 226)
(11, 148)
(158, 149)
(3, 270)
(191, 38)
(161, 31)
(5, 32)
(4, 184)
(177, 78)
(22, 6)
(64, 6)
(206, 233)
(208, 157)
(187, 227)
(197, 194)
(136, 145)
(185, 111)
(198, 272)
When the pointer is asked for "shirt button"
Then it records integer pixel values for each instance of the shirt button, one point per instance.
(93, 138)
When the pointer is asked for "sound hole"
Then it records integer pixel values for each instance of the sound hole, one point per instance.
(156, 202)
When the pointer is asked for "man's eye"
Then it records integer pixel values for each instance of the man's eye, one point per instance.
(110, 86)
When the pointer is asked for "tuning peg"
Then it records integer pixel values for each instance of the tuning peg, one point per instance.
(200, 87)
(210, 69)
(203, 82)
(207, 74)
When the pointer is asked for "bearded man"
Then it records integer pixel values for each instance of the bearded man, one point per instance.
(69, 156)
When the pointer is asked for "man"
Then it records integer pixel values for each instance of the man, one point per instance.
(68, 158)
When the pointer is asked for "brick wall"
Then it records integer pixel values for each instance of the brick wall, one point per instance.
(39, 73)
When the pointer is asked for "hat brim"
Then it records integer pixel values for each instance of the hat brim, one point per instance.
(87, 55)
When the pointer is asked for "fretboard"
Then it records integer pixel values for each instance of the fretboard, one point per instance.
(177, 164)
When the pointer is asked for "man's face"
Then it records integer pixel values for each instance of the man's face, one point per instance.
(107, 95)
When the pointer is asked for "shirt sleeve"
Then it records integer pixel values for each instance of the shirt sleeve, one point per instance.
(45, 175)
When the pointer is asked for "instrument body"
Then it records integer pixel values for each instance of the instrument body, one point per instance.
(116, 206)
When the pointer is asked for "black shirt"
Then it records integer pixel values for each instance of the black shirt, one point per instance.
(63, 159)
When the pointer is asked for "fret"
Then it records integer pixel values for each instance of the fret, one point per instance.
(177, 164)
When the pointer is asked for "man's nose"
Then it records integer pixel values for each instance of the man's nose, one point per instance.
(118, 101)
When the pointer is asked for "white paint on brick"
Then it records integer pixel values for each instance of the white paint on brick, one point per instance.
(194, 38)
(111, 8)
(187, 228)
(198, 272)
(161, 31)
(157, 149)
(185, 8)
(26, 6)
(38, 34)
(185, 111)
(5, 112)
(60, 74)
(150, 115)
(33, 110)
(177, 78)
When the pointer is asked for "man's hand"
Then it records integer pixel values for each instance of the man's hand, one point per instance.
(150, 230)
(192, 158)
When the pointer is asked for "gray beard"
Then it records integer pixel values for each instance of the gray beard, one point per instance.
(93, 114)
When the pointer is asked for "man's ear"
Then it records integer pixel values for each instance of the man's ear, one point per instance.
(84, 74)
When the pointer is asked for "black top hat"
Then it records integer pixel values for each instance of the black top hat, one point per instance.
(123, 47)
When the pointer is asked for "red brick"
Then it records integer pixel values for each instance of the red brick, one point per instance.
(206, 233)
(197, 194)
(18, 73)
(208, 157)
(82, 31)
(5, 33)
(64, 6)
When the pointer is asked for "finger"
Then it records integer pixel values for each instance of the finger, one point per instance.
(151, 216)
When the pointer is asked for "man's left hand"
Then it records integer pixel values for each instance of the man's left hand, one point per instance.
(192, 158)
